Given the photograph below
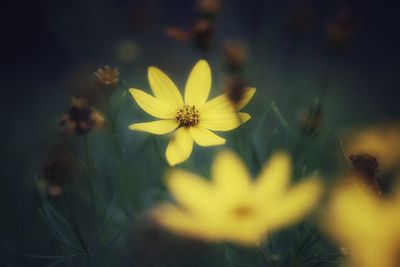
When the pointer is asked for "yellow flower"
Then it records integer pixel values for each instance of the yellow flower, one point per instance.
(368, 226)
(194, 117)
(381, 141)
(233, 207)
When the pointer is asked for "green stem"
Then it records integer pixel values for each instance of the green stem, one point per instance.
(89, 168)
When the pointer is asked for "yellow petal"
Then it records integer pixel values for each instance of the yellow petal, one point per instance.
(243, 117)
(164, 88)
(230, 175)
(274, 176)
(185, 224)
(295, 204)
(198, 85)
(246, 97)
(152, 105)
(193, 192)
(219, 114)
(204, 137)
(180, 146)
(155, 127)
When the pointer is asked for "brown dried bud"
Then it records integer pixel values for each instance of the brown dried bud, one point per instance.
(235, 88)
(235, 55)
(202, 33)
(177, 34)
(108, 79)
(208, 8)
(81, 118)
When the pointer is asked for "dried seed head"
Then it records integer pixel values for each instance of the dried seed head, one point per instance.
(81, 118)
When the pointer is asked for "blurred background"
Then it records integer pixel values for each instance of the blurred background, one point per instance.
(342, 56)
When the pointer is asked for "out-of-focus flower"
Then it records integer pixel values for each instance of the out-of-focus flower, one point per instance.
(232, 206)
(177, 34)
(235, 56)
(368, 226)
(381, 142)
(208, 8)
(200, 33)
(194, 118)
(81, 118)
(108, 79)
(57, 170)
(340, 30)
(238, 93)
(367, 167)
(127, 51)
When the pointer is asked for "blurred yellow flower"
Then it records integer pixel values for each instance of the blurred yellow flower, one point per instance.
(368, 226)
(233, 207)
(381, 141)
(194, 117)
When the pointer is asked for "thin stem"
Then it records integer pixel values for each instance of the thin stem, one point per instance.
(89, 168)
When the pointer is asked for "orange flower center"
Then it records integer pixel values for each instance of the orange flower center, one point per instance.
(187, 116)
(243, 211)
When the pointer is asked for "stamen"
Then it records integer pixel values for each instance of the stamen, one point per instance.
(187, 116)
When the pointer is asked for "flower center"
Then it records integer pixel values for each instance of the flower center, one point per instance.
(243, 211)
(187, 116)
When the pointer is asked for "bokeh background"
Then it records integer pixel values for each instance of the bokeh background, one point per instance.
(50, 48)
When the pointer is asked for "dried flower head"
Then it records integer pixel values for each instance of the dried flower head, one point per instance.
(208, 8)
(202, 32)
(367, 167)
(108, 78)
(235, 56)
(382, 141)
(81, 118)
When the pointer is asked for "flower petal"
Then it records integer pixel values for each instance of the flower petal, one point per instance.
(295, 204)
(152, 105)
(204, 137)
(185, 224)
(246, 97)
(164, 88)
(193, 192)
(230, 175)
(180, 147)
(274, 177)
(219, 114)
(243, 117)
(155, 127)
(198, 85)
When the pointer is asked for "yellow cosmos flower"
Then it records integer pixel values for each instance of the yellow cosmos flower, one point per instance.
(233, 207)
(368, 226)
(193, 116)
